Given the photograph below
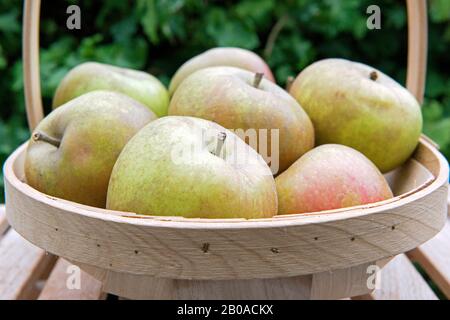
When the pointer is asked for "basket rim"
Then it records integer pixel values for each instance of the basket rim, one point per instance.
(236, 223)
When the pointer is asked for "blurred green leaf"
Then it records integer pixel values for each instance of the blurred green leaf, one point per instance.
(225, 31)
(8, 21)
(437, 125)
(440, 10)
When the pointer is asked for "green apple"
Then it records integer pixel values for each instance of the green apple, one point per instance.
(91, 76)
(240, 100)
(330, 176)
(183, 166)
(224, 56)
(73, 149)
(356, 105)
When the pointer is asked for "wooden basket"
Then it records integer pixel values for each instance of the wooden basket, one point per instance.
(316, 255)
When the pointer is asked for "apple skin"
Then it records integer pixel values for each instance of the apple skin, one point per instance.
(148, 180)
(223, 56)
(90, 76)
(379, 118)
(93, 129)
(330, 176)
(226, 95)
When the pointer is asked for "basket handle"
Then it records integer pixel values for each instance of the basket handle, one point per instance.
(417, 55)
(30, 57)
(417, 47)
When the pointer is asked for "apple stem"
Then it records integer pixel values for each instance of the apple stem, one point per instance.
(40, 136)
(257, 79)
(289, 82)
(220, 141)
(373, 75)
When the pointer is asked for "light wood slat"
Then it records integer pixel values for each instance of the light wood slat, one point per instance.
(138, 287)
(400, 281)
(56, 289)
(3, 221)
(448, 202)
(340, 283)
(30, 57)
(434, 257)
(417, 47)
(21, 265)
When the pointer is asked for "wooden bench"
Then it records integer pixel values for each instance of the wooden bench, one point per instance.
(27, 272)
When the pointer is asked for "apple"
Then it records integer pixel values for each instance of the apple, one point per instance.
(330, 176)
(73, 150)
(241, 100)
(90, 76)
(190, 167)
(356, 105)
(224, 56)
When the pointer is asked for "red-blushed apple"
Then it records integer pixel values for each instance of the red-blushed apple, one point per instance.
(356, 105)
(190, 167)
(328, 177)
(223, 56)
(74, 148)
(265, 115)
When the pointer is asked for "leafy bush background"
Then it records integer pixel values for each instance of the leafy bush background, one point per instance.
(158, 35)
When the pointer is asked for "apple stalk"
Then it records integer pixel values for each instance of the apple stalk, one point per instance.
(220, 142)
(40, 136)
(257, 79)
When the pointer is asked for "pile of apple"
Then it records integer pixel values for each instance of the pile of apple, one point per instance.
(225, 141)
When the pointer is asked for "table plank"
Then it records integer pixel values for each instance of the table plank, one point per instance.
(21, 265)
(56, 286)
(434, 257)
(400, 281)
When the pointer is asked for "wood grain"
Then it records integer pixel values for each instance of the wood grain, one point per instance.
(400, 281)
(434, 257)
(296, 288)
(288, 288)
(56, 288)
(21, 265)
(336, 284)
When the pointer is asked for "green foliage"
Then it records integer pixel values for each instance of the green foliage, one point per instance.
(159, 35)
